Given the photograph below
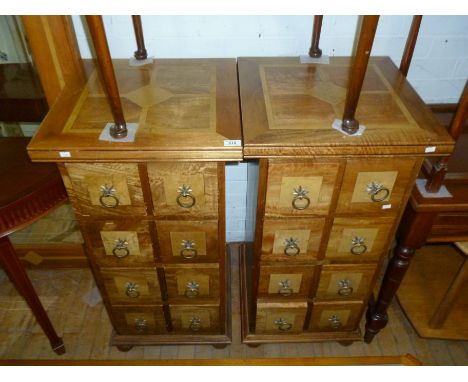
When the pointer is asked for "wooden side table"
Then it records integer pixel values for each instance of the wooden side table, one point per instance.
(29, 191)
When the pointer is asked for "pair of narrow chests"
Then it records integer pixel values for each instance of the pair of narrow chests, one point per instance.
(152, 209)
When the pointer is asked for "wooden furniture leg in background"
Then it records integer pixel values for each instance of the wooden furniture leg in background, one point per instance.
(366, 38)
(314, 50)
(140, 53)
(414, 230)
(20, 279)
(98, 34)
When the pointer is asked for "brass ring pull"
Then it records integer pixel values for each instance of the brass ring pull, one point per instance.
(283, 325)
(141, 325)
(108, 198)
(192, 289)
(358, 246)
(120, 250)
(375, 189)
(345, 288)
(285, 288)
(300, 195)
(335, 321)
(195, 324)
(188, 252)
(285, 292)
(132, 290)
(291, 248)
(185, 199)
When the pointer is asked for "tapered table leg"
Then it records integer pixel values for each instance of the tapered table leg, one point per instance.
(20, 279)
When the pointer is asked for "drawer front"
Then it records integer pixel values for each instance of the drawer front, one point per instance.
(131, 286)
(280, 319)
(375, 185)
(336, 316)
(139, 320)
(292, 240)
(300, 188)
(184, 190)
(195, 319)
(359, 239)
(278, 281)
(188, 242)
(120, 243)
(345, 281)
(196, 283)
(106, 189)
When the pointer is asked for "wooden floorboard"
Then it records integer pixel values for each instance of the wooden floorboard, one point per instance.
(86, 331)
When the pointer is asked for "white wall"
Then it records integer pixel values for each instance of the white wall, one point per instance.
(438, 72)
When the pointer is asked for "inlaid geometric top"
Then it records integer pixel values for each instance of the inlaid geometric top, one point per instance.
(184, 108)
(289, 108)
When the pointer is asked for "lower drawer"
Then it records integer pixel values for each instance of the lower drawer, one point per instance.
(336, 316)
(135, 286)
(192, 283)
(195, 319)
(280, 318)
(285, 281)
(139, 320)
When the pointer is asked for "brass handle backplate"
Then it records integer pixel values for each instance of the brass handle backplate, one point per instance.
(285, 288)
(141, 325)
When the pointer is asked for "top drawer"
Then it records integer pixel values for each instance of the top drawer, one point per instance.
(300, 188)
(107, 189)
(184, 190)
(375, 185)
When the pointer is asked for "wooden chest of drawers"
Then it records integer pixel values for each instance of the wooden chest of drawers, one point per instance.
(152, 211)
(328, 204)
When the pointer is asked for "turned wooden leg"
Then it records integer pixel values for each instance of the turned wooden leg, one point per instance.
(20, 279)
(377, 317)
(345, 343)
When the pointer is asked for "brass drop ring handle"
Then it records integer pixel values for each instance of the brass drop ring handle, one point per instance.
(120, 250)
(283, 325)
(292, 249)
(189, 201)
(109, 201)
(188, 253)
(132, 290)
(345, 291)
(195, 324)
(140, 325)
(192, 289)
(358, 248)
(378, 192)
(285, 292)
(185, 199)
(299, 206)
(335, 321)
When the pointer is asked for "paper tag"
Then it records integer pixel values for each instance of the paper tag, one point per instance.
(430, 149)
(386, 206)
(65, 154)
(232, 142)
